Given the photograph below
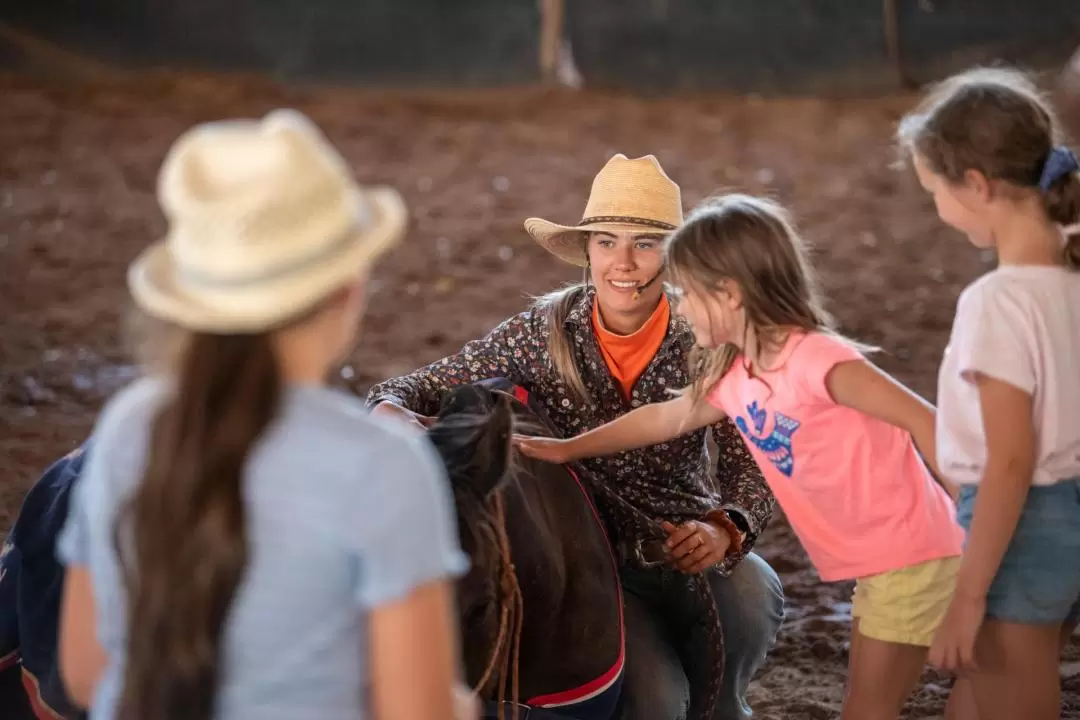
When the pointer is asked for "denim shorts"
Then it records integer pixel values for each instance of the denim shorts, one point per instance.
(1039, 577)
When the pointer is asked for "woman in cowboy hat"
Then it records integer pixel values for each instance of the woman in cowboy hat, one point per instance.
(231, 548)
(590, 353)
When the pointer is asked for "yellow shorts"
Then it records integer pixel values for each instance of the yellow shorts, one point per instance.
(906, 605)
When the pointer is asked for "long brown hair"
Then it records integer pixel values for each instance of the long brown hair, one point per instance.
(554, 308)
(995, 121)
(182, 538)
(751, 241)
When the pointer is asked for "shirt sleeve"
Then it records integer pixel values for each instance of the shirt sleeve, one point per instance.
(413, 539)
(500, 354)
(991, 337)
(815, 357)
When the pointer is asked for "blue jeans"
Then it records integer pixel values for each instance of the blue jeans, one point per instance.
(750, 603)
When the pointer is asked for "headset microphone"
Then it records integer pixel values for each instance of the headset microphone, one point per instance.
(637, 292)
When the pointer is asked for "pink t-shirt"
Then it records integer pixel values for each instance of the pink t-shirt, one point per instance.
(1020, 325)
(853, 487)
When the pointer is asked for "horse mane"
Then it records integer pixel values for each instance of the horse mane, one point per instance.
(473, 435)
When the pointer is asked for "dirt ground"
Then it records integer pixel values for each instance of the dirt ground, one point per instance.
(77, 173)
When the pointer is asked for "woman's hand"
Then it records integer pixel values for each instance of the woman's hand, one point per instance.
(416, 420)
(552, 450)
(695, 546)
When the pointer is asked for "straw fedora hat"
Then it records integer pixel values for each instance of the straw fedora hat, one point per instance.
(264, 221)
(633, 195)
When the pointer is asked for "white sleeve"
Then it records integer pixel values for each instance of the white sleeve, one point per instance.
(994, 336)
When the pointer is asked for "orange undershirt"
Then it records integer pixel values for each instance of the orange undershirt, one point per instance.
(627, 356)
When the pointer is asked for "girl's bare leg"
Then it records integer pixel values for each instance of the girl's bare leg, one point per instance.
(961, 705)
(1018, 673)
(881, 675)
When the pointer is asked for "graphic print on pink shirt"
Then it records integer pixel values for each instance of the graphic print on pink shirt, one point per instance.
(777, 444)
(854, 488)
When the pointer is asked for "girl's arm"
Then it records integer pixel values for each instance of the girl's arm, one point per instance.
(413, 653)
(861, 386)
(1010, 466)
(648, 425)
(82, 659)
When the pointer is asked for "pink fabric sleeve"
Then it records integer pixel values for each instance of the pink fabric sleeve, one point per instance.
(814, 357)
(715, 395)
(991, 336)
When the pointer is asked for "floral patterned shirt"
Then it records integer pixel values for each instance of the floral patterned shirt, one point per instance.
(672, 481)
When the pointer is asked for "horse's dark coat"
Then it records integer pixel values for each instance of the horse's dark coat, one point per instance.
(572, 634)
(31, 586)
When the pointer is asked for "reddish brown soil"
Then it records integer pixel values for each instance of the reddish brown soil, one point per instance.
(77, 202)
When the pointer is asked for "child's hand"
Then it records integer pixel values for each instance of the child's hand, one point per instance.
(415, 420)
(466, 704)
(954, 643)
(552, 450)
(695, 546)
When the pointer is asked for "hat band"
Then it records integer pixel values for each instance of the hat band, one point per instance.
(196, 278)
(627, 219)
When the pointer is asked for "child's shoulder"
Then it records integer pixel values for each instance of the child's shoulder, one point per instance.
(989, 284)
(1023, 288)
(823, 344)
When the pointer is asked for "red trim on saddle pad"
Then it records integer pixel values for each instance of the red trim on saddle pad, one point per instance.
(596, 687)
(9, 660)
(33, 692)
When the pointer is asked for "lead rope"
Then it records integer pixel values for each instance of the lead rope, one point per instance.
(506, 655)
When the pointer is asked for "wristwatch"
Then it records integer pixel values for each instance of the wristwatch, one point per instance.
(738, 521)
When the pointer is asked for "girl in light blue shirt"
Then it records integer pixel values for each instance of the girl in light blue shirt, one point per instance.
(246, 542)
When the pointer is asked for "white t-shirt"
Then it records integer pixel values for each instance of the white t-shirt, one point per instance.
(1021, 325)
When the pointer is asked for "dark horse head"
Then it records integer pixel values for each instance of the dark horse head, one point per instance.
(541, 606)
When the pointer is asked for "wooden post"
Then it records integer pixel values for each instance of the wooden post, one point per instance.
(891, 22)
(551, 33)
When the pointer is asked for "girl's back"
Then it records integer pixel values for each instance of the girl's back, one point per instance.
(1019, 324)
(343, 513)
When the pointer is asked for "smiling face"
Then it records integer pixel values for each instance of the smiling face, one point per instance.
(620, 263)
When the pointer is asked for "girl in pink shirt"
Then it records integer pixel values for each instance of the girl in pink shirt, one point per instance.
(835, 437)
(986, 146)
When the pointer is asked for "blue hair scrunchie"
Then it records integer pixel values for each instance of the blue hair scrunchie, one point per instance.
(1059, 163)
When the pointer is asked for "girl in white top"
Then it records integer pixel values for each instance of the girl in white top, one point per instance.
(986, 146)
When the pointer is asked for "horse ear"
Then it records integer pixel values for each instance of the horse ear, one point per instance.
(464, 399)
(496, 445)
(473, 435)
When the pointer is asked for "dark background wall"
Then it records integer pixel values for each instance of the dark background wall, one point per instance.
(764, 46)
(809, 45)
(368, 42)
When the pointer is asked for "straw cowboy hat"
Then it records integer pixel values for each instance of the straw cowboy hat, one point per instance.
(627, 195)
(264, 221)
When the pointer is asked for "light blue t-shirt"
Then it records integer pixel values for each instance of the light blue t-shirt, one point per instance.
(344, 513)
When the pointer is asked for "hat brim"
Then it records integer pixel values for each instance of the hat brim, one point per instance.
(567, 242)
(157, 287)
